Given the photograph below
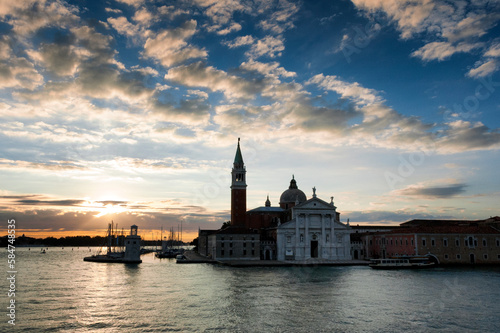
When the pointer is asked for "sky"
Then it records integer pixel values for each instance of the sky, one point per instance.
(130, 110)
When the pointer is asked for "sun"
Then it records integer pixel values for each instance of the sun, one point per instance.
(106, 205)
(111, 209)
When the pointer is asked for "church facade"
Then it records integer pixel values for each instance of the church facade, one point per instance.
(313, 232)
(299, 229)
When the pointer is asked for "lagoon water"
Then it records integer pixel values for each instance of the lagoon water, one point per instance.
(59, 292)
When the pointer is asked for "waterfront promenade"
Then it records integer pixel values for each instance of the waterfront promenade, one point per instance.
(195, 258)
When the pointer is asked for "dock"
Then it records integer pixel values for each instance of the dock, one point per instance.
(192, 257)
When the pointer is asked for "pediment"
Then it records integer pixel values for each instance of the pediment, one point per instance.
(314, 203)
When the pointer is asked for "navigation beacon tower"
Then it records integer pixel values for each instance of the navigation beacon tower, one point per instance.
(238, 190)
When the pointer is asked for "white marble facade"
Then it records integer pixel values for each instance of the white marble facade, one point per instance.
(313, 232)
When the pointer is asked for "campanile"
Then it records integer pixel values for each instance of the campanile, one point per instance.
(238, 190)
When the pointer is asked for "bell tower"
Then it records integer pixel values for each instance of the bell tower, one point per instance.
(238, 190)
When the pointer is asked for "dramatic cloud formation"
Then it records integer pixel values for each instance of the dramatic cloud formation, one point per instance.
(131, 108)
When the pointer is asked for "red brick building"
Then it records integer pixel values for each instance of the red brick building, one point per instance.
(448, 241)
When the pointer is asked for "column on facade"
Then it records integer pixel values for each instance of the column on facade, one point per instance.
(323, 236)
(332, 236)
(307, 247)
(297, 234)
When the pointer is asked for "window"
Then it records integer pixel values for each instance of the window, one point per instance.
(498, 242)
(244, 252)
(446, 256)
(484, 242)
(445, 242)
(433, 242)
(459, 257)
(301, 238)
(222, 238)
(466, 242)
(391, 241)
(412, 241)
(230, 252)
(485, 256)
(222, 245)
(457, 242)
(231, 244)
(372, 243)
(253, 252)
(498, 257)
(475, 242)
(423, 242)
(244, 244)
(406, 241)
(288, 239)
(221, 252)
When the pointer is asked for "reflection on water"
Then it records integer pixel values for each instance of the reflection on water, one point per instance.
(58, 291)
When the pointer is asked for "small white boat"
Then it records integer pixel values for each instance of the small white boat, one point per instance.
(402, 263)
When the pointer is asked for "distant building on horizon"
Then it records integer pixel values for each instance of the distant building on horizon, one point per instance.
(447, 241)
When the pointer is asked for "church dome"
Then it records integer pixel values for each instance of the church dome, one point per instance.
(293, 194)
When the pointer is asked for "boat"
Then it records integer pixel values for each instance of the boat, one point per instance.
(128, 252)
(42, 251)
(402, 263)
(167, 247)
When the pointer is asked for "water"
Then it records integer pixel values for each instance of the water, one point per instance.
(59, 292)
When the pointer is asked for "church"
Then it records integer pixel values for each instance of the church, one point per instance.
(299, 229)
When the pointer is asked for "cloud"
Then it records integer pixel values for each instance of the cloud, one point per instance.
(377, 217)
(450, 27)
(58, 203)
(464, 135)
(484, 69)
(385, 127)
(281, 18)
(17, 72)
(268, 46)
(432, 192)
(124, 27)
(493, 51)
(57, 166)
(27, 17)
(241, 41)
(134, 3)
(489, 65)
(443, 50)
(200, 75)
(354, 91)
(268, 69)
(193, 111)
(232, 28)
(169, 46)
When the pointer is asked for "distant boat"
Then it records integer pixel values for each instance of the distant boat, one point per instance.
(402, 263)
(129, 252)
(167, 247)
(42, 251)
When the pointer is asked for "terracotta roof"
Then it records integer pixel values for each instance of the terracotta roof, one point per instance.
(266, 210)
(421, 222)
(235, 230)
(449, 229)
